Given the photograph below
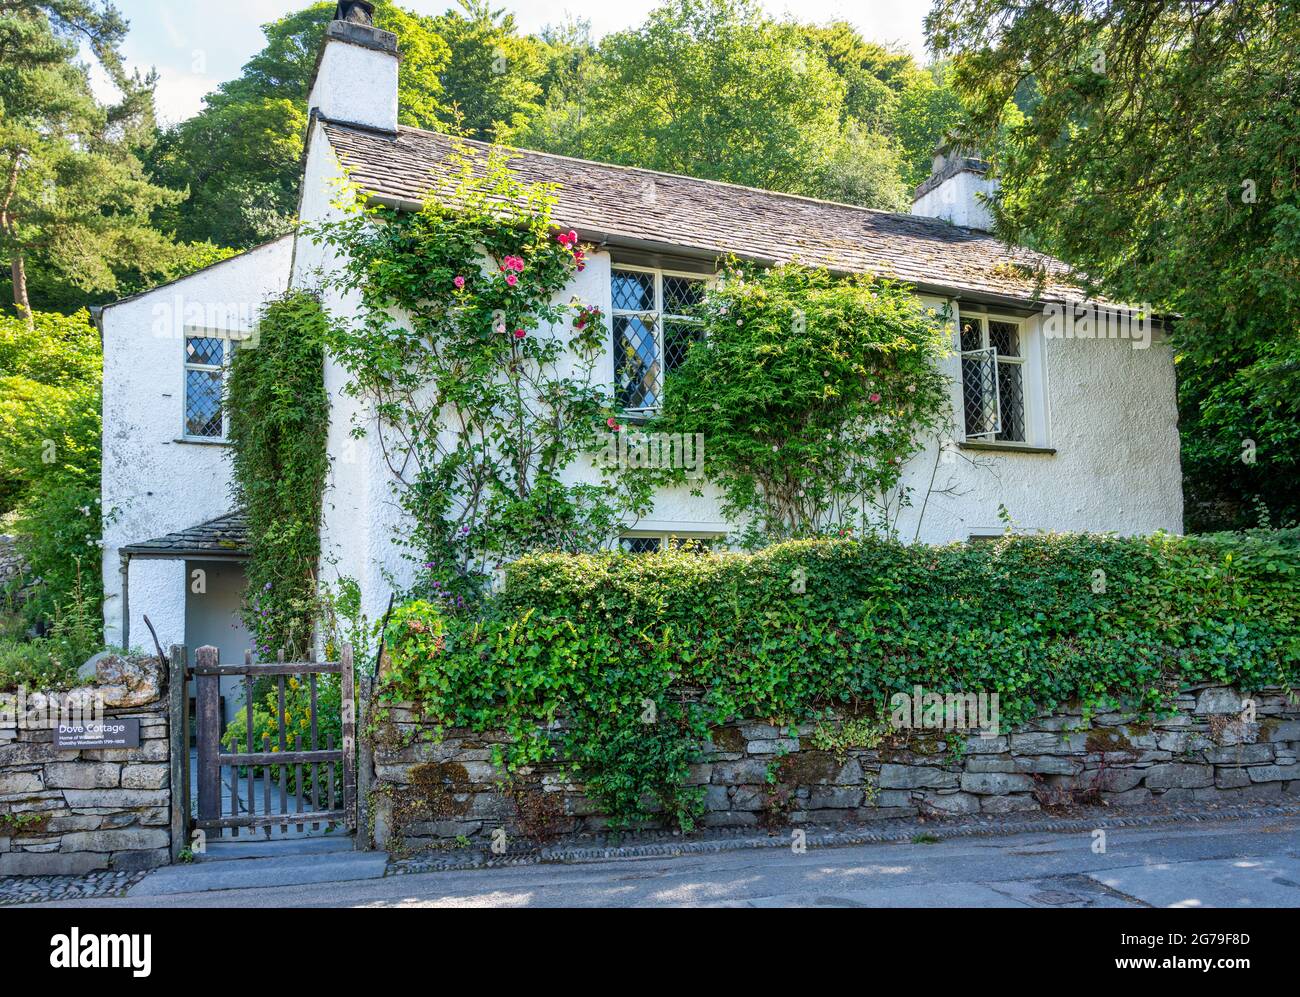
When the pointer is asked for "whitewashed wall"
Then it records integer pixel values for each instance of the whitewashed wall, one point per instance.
(153, 482)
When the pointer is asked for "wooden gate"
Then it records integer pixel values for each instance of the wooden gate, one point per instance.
(280, 769)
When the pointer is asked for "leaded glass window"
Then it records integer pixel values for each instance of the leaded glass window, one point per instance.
(205, 368)
(993, 378)
(655, 321)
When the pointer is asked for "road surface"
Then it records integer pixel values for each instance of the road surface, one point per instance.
(1238, 863)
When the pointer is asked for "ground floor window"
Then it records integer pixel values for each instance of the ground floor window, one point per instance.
(650, 541)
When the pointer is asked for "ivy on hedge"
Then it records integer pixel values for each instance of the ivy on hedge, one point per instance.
(640, 655)
(279, 419)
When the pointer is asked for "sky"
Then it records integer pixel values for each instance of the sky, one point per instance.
(197, 44)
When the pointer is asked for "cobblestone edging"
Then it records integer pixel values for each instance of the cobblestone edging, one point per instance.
(430, 788)
(666, 845)
(39, 889)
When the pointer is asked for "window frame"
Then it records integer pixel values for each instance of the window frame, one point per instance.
(1022, 326)
(659, 316)
(665, 537)
(228, 347)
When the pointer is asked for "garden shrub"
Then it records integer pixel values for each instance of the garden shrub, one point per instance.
(50, 457)
(640, 654)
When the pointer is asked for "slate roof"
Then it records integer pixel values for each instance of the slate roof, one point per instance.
(225, 536)
(634, 207)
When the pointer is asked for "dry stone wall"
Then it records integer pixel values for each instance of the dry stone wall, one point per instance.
(1217, 747)
(72, 812)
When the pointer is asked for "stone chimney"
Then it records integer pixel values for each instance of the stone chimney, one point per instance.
(956, 177)
(356, 74)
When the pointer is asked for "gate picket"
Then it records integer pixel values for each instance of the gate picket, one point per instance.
(311, 762)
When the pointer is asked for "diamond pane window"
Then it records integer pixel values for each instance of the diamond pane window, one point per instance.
(993, 379)
(678, 337)
(203, 403)
(634, 291)
(1012, 395)
(636, 362)
(682, 295)
(203, 351)
(1005, 338)
(650, 543)
(205, 357)
(640, 545)
(979, 388)
(654, 325)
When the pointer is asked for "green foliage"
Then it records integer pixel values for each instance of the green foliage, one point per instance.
(715, 89)
(73, 193)
(268, 721)
(483, 394)
(1158, 156)
(240, 157)
(35, 665)
(279, 420)
(638, 656)
(491, 75)
(810, 392)
(50, 454)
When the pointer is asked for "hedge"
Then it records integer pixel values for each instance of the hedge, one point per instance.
(691, 640)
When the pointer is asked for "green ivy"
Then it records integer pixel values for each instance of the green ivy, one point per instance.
(640, 655)
(810, 392)
(279, 419)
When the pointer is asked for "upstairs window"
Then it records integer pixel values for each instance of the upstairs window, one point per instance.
(993, 378)
(207, 359)
(653, 326)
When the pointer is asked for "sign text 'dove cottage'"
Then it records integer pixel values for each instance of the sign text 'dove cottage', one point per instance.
(117, 733)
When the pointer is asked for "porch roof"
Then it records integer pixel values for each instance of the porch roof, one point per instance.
(225, 536)
(645, 209)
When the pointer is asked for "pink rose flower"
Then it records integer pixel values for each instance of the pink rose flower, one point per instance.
(520, 334)
(875, 397)
(511, 279)
(611, 422)
(459, 282)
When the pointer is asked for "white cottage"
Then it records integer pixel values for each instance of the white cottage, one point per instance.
(1068, 432)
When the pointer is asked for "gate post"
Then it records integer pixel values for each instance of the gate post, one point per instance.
(207, 693)
(178, 733)
(365, 764)
(347, 680)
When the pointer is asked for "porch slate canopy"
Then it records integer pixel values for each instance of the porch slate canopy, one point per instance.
(643, 208)
(225, 536)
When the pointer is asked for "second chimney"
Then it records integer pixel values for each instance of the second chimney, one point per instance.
(952, 192)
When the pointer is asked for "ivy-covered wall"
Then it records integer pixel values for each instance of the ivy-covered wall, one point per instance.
(432, 786)
(614, 669)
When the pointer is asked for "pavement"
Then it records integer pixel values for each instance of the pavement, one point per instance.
(1230, 864)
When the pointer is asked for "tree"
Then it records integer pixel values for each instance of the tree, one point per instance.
(1159, 157)
(491, 77)
(713, 89)
(240, 156)
(73, 192)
